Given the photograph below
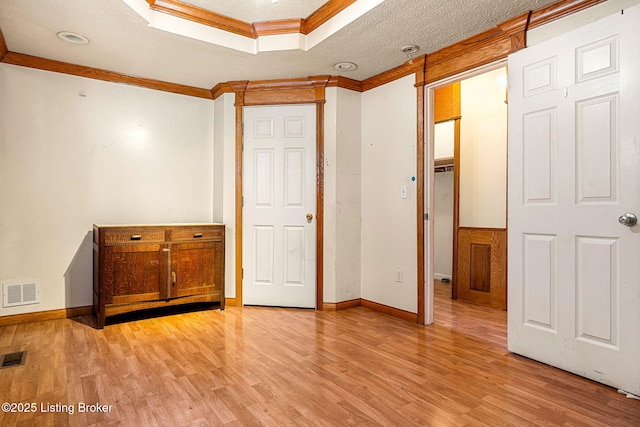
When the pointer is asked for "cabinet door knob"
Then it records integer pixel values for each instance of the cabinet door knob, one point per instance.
(173, 278)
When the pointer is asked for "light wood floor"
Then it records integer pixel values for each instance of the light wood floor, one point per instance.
(266, 366)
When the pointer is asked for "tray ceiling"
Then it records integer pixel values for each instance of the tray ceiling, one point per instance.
(123, 42)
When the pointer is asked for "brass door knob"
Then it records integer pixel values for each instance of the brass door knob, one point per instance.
(309, 217)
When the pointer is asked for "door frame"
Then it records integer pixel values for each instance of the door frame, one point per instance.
(281, 92)
(429, 200)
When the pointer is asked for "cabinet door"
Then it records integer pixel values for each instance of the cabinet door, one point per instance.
(134, 273)
(196, 268)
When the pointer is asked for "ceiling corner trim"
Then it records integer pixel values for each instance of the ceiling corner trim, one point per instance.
(288, 34)
(44, 64)
(559, 10)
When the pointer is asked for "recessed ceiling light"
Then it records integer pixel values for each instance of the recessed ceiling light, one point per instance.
(345, 66)
(74, 38)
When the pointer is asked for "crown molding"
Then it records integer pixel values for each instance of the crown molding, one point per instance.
(178, 17)
(324, 13)
(345, 83)
(202, 16)
(483, 48)
(256, 29)
(98, 74)
(274, 28)
(406, 69)
(558, 10)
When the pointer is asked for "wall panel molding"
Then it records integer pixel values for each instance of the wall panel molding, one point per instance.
(482, 266)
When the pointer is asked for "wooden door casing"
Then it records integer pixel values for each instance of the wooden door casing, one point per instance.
(279, 212)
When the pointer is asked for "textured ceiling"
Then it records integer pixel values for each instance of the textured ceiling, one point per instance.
(121, 41)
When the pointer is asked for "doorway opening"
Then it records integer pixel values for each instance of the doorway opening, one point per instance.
(466, 182)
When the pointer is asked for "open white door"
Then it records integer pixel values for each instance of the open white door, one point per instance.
(279, 224)
(574, 169)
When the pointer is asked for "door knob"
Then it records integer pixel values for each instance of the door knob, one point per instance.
(628, 219)
(309, 217)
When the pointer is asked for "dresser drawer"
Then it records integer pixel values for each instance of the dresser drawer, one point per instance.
(195, 233)
(133, 235)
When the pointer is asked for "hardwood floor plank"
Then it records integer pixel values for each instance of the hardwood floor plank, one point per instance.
(272, 366)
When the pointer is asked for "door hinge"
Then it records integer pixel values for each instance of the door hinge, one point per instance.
(426, 217)
(243, 273)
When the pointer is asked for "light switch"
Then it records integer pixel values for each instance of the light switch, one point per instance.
(403, 192)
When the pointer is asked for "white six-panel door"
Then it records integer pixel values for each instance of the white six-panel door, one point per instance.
(574, 169)
(279, 224)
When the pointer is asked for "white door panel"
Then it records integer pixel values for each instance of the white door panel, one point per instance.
(279, 191)
(574, 168)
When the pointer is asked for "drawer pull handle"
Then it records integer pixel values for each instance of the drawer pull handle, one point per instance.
(136, 237)
(197, 235)
(174, 278)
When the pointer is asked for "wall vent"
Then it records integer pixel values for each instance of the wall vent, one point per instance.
(20, 293)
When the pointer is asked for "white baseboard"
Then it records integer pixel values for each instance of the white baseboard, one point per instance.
(439, 276)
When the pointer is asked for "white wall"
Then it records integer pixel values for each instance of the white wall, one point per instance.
(443, 198)
(443, 225)
(74, 152)
(225, 158)
(389, 222)
(483, 151)
(330, 195)
(342, 195)
(443, 140)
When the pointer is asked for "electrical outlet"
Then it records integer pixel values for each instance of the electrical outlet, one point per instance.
(399, 275)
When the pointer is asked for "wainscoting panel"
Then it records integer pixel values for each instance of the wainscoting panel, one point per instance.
(482, 266)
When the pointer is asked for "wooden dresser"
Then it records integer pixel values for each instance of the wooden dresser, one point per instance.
(136, 267)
